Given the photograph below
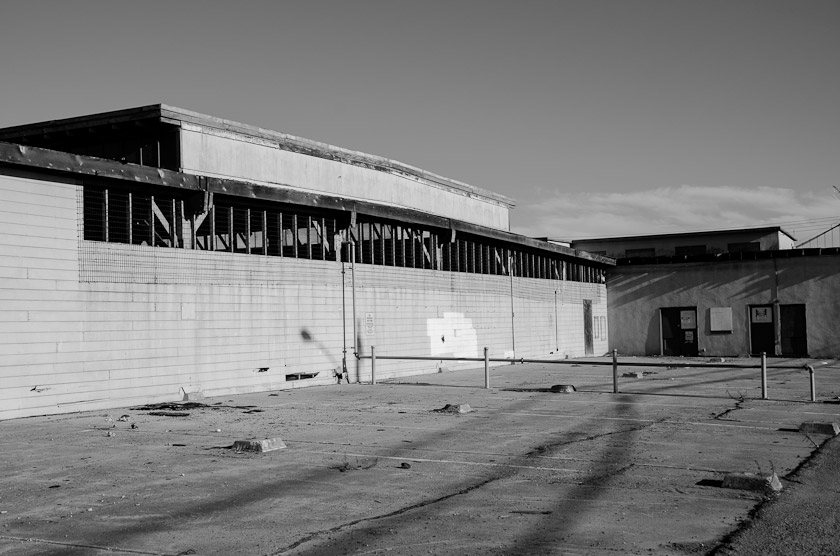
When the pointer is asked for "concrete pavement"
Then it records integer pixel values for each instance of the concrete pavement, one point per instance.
(375, 470)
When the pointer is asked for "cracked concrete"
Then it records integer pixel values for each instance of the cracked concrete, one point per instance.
(528, 472)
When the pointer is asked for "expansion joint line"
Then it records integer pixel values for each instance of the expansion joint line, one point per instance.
(110, 549)
(542, 449)
(400, 511)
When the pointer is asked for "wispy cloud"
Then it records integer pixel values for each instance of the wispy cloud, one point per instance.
(676, 209)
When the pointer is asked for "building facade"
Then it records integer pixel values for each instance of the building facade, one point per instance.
(768, 238)
(782, 303)
(156, 254)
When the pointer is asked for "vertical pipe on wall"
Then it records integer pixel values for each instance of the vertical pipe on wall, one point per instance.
(353, 293)
(343, 323)
(512, 314)
(486, 368)
(372, 365)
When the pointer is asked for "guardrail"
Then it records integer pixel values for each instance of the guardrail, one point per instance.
(614, 363)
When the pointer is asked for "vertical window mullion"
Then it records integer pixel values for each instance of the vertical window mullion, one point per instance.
(130, 218)
(107, 216)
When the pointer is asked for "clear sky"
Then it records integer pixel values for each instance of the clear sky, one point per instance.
(598, 117)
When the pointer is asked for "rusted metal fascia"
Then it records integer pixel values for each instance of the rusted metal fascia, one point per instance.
(88, 166)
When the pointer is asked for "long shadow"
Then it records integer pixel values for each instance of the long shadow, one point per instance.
(558, 522)
(242, 499)
(549, 529)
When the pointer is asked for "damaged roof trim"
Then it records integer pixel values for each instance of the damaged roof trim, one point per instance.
(57, 162)
(177, 116)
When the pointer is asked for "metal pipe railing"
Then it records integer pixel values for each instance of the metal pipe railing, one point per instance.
(614, 363)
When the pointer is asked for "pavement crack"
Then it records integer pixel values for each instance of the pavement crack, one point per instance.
(739, 404)
(400, 511)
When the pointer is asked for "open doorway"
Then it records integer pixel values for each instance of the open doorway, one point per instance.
(679, 331)
(762, 330)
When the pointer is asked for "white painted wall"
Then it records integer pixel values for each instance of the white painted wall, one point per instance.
(216, 153)
(89, 325)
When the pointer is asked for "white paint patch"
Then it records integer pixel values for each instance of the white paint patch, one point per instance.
(453, 335)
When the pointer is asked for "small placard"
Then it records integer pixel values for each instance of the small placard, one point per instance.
(761, 314)
(688, 319)
(370, 324)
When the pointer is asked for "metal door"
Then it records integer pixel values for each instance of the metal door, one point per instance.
(762, 331)
(794, 333)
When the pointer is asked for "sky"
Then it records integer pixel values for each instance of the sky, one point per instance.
(598, 117)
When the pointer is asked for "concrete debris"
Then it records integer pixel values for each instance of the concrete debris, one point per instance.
(454, 408)
(634, 374)
(265, 445)
(563, 388)
(812, 427)
(405, 465)
(124, 418)
(749, 481)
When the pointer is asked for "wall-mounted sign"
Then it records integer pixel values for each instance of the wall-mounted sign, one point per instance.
(370, 324)
(720, 319)
(688, 319)
(761, 314)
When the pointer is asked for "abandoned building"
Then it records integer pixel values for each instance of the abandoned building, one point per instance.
(721, 293)
(766, 238)
(157, 254)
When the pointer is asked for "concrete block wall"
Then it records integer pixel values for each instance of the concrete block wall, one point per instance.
(89, 325)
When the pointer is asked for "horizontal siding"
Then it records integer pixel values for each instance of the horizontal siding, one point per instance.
(87, 325)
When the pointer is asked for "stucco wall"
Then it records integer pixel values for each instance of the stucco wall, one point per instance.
(90, 325)
(219, 154)
(636, 293)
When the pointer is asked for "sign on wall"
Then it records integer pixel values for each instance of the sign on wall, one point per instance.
(720, 319)
(761, 314)
(688, 319)
(370, 324)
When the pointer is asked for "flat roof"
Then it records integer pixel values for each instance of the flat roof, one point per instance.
(766, 229)
(177, 116)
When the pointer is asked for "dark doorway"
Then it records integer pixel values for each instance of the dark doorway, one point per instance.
(679, 331)
(589, 347)
(794, 332)
(762, 330)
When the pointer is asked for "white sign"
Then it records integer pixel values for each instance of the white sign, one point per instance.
(370, 324)
(688, 319)
(761, 314)
(721, 319)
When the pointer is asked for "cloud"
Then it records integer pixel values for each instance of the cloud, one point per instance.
(676, 209)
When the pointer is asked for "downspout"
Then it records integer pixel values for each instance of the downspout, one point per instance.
(512, 314)
(353, 289)
(343, 323)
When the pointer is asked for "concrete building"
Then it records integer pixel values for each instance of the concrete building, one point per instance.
(689, 243)
(154, 254)
(780, 302)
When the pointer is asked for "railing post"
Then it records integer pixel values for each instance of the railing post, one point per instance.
(615, 371)
(763, 375)
(372, 365)
(486, 368)
(813, 384)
